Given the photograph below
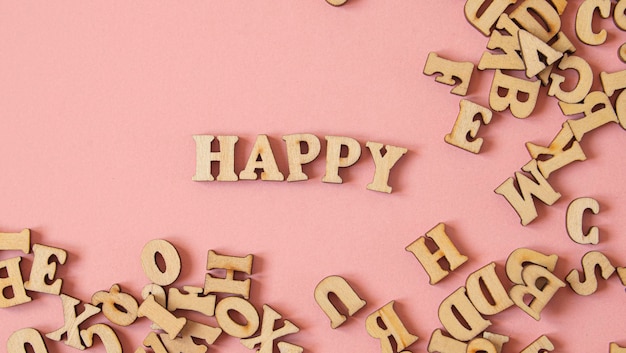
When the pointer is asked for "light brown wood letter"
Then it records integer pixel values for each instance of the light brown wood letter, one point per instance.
(489, 16)
(16, 241)
(450, 70)
(108, 337)
(347, 296)
(193, 300)
(585, 80)
(261, 157)
(591, 261)
(14, 281)
(532, 47)
(269, 332)
(160, 316)
(383, 164)
(296, 157)
(574, 217)
(465, 129)
(244, 309)
(71, 322)
(120, 308)
(430, 260)
(514, 87)
(228, 284)
(225, 156)
(44, 268)
(559, 155)
(532, 275)
(334, 159)
(19, 340)
(393, 327)
(493, 286)
(597, 110)
(584, 21)
(474, 322)
(170, 258)
(540, 345)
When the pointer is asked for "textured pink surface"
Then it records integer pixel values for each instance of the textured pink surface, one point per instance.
(99, 102)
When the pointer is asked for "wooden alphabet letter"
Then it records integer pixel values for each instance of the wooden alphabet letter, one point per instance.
(346, 295)
(430, 260)
(584, 21)
(393, 327)
(160, 316)
(521, 257)
(508, 44)
(225, 156)
(541, 295)
(591, 261)
(475, 323)
(450, 70)
(597, 111)
(296, 157)
(44, 268)
(539, 18)
(19, 340)
(585, 80)
(228, 284)
(522, 200)
(612, 81)
(383, 164)
(614, 347)
(575, 212)
(16, 241)
(497, 340)
(108, 337)
(466, 127)
(261, 157)
(265, 339)
(481, 345)
(334, 159)
(489, 16)
(498, 299)
(119, 308)
(559, 155)
(14, 281)
(244, 309)
(208, 334)
(191, 301)
(170, 258)
(532, 47)
(71, 322)
(514, 87)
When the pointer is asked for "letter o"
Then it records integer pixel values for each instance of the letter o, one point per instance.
(170, 257)
(245, 309)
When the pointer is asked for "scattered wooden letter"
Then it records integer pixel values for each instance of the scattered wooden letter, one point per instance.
(584, 21)
(514, 87)
(71, 322)
(13, 280)
(17, 342)
(591, 261)
(583, 86)
(108, 337)
(383, 164)
(119, 308)
(244, 309)
(574, 222)
(261, 157)
(228, 284)
(44, 269)
(498, 299)
(269, 331)
(532, 47)
(295, 156)
(430, 260)
(393, 327)
(16, 241)
(563, 150)
(160, 316)
(473, 323)
(170, 257)
(225, 156)
(465, 129)
(540, 345)
(193, 300)
(450, 70)
(347, 296)
(334, 159)
(489, 16)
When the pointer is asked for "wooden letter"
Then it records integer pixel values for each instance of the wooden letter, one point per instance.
(393, 327)
(160, 316)
(191, 301)
(465, 129)
(498, 299)
(18, 341)
(528, 14)
(614, 347)
(113, 302)
(613, 81)
(334, 160)
(171, 262)
(153, 341)
(521, 257)
(44, 269)
(559, 155)
(262, 158)
(265, 339)
(532, 47)
(541, 345)
(446, 250)
(71, 322)
(591, 261)
(16, 241)
(383, 164)
(229, 325)
(201, 331)
(228, 284)
(225, 156)
(585, 80)
(575, 212)
(296, 157)
(531, 276)
(584, 21)
(475, 323)
(346, 295)
(514, 87)
(597, 111)
(108, 337)
(14, 281)
(489, 16)
(522, 200)
(450, 70)
(507, 44)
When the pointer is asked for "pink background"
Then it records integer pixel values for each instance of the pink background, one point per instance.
(99, 102)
